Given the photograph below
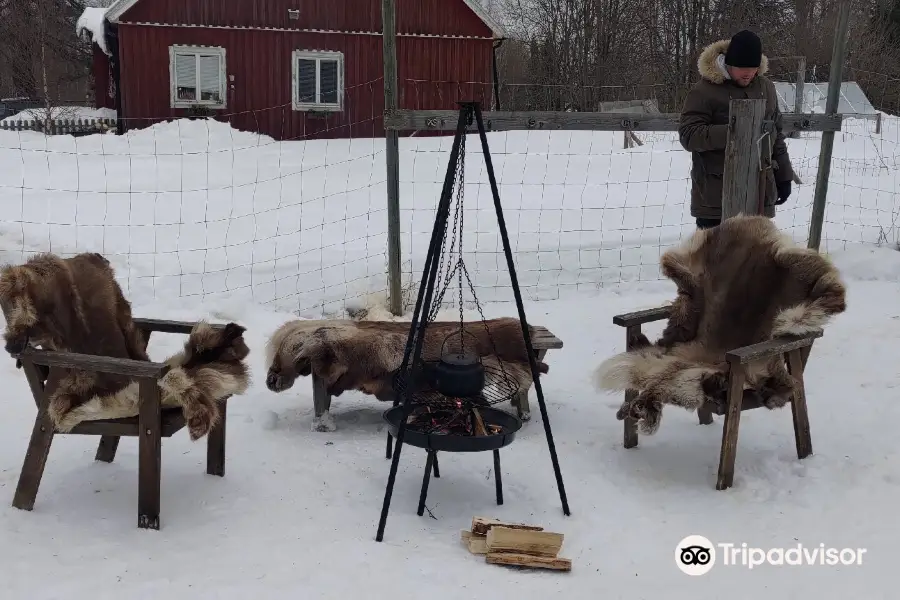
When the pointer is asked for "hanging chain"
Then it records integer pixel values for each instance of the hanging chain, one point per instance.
(445, 279)
(460, 265)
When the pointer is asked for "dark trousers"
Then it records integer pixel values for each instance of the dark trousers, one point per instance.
(707, 223)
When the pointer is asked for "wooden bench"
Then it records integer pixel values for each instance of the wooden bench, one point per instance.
(795, 350)
(542, 341)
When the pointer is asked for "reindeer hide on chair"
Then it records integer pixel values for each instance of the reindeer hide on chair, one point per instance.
(739, 284)
(76, 305)
(365, 355)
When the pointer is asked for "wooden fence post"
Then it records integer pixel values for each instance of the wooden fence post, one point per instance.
(835, 79)
(392, 155)
(740, 185)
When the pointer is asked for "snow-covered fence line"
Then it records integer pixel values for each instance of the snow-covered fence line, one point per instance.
(60, 126)
(199, 209)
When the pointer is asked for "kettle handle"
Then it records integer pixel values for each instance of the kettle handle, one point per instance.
(461, 332)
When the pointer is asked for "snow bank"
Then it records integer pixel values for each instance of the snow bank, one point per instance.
(93, 20)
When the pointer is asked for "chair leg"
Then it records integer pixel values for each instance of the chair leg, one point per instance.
(802, 434)
(631, 430)
(215, 444)
(632, 337)
(34, 463)
(149, 455)
(106, 450)
(732, 424)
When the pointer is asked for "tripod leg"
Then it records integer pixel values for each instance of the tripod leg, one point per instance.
(429, 465)
(514, 280)
(498, 479)
(426, 293)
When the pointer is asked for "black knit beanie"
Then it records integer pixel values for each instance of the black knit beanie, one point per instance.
(744, 50)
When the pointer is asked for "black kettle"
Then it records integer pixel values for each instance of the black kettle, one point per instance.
(458, 374)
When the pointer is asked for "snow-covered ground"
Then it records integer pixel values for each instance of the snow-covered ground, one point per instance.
(205, 222)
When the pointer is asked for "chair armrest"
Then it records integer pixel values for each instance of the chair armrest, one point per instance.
(770, 348)
(90, 362)
(643, 316)
(162, 326)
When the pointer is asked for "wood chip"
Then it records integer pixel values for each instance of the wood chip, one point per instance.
(522, 541)
(479, 423)
(527, 560)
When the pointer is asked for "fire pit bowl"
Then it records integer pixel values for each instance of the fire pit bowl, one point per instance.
(442, 442)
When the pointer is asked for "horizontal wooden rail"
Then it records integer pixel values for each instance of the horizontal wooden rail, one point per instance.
(445, 120)
(770, 348)
(91, 362)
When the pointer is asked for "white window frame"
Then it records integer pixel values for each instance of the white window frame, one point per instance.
(318, 56)
(197, 51)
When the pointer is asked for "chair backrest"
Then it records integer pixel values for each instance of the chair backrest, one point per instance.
(751, 278)
(70, 305)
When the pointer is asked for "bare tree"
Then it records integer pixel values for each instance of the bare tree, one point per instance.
(40, 55)
(581, 52)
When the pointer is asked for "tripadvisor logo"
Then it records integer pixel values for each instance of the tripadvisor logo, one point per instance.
(696, 555)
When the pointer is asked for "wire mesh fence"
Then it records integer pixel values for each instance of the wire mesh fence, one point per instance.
(209, 208)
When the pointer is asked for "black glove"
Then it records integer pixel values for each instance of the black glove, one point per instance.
(784, 191)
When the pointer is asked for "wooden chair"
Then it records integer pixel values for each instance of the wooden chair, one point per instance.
(796, 352)
(150, 426)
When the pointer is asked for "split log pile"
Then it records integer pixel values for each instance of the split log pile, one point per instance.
(515, 544)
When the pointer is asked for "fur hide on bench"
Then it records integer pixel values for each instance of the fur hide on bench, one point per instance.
(76, 305)
(365, 355)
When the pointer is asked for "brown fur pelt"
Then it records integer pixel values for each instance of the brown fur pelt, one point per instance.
(76, 305)
(740, 283)
(365, 355)
(209, 368)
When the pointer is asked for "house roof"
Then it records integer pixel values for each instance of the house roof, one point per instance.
(118, 8)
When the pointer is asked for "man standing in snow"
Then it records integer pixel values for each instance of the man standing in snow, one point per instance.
(730, 70)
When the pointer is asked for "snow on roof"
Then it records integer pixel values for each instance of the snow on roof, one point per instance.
(119, 7)
(852, 100)
(92, 20)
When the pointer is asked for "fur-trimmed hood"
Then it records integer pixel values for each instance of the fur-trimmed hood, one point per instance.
(708, 65)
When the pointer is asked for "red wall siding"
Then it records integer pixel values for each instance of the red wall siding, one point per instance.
(445, 17)
(102, 75)
(437, 17)
(259, 98)
(434, 73)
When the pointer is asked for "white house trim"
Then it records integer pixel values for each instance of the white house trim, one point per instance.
(296, 56)
(287, 30)
(119, 8)
(173, 78)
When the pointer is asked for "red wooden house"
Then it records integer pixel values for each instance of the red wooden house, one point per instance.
(291, 69)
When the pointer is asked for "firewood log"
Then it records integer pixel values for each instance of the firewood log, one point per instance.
(527, 560)
(521, 541)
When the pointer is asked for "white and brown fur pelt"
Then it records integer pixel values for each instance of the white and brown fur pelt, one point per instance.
(740, 283)
(76, 305)
(365, 355)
